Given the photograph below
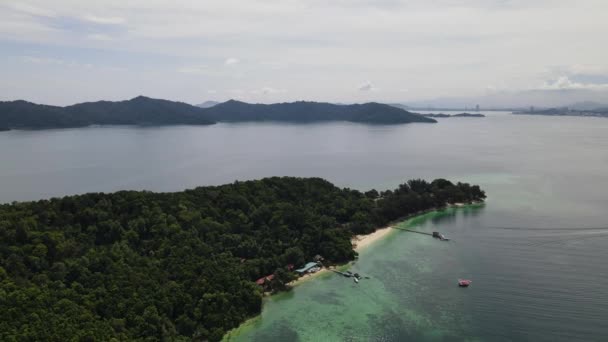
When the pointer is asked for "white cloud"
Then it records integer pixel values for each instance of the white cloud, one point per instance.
(269, 90)
(105, 20)
(32, 10)
(564, 83)
(231, 61)
(399, 45)
(367, 86)
(211, 91)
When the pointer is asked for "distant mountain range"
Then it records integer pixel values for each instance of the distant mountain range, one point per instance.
(137, 111)
(146, 111)
(517, 100)
(208, 104)
(376, 113)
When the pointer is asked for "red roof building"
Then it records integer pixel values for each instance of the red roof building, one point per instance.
(263, 280)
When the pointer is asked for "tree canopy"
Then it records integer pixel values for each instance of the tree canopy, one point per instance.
(305, 111)
(138, 265)
(137, 111)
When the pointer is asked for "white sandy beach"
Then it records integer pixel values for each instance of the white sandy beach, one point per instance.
(363, 241)
(308, 276)
(359, 242)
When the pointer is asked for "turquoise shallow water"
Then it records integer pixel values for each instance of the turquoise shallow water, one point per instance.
(406, 298)
(536, 252)
(526, 287)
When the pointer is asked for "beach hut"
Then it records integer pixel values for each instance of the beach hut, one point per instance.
(307, 268)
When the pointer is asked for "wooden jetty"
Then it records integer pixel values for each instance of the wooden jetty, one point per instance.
(436, 235)
(413, 231)
(346, 274)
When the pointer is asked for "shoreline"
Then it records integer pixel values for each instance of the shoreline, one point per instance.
(359, 243)
(362, 241)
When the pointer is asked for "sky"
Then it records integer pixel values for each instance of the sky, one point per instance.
(493, 52)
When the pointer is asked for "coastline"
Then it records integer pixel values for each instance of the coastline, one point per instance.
(360, 242)
(363, 241)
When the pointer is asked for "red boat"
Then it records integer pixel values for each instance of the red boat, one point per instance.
(464, 282)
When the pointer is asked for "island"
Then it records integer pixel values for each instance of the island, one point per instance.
(189, 265)
(147, 111)
(310, 112)
(137, 111)
(461, 115)
(4, 129)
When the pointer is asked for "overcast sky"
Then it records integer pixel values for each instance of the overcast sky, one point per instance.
(67, 51)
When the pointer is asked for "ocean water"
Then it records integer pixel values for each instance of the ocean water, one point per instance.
(535, 251)
(412, 293)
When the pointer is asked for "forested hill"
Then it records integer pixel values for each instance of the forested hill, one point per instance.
(301, 111)
(137, 111)
(146, 111)
(179, 266)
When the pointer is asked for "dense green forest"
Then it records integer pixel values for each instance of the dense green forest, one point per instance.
(137, 111)
(179, 266)
(302, 111)
(146, 111)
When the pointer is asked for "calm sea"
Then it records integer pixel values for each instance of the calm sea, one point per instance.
(536, 251)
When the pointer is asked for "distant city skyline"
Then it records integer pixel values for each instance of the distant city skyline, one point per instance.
(495, 53)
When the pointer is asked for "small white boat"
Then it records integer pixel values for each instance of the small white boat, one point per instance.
(356, 280)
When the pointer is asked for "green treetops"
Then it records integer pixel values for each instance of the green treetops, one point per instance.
(179, 266)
